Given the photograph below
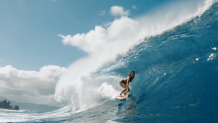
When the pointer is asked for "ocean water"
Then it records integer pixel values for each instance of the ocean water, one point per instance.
(176, 81)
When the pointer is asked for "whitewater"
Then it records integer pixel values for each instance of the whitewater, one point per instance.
(173, 50)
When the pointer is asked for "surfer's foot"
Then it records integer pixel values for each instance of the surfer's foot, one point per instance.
(122, 95)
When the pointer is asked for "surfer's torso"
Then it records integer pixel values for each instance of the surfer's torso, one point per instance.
(126, 79)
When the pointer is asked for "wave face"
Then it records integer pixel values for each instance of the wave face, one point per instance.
(175, 82)
(176, 75)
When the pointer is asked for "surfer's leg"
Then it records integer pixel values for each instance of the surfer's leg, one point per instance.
(127, 91)
(122, 92)
(122, 84)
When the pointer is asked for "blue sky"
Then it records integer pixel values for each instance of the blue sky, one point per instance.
(29, 28)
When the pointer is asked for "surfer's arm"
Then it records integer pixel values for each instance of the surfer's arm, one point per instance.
(127, 84)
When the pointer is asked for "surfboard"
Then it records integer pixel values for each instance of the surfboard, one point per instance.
(119, 97)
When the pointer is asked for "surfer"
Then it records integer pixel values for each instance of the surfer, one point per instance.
(125, 83)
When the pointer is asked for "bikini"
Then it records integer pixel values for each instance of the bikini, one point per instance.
(122, 81)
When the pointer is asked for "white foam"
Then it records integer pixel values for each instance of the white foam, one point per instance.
(214, 48)
(24, 117)
(211, 56)
(108, 91)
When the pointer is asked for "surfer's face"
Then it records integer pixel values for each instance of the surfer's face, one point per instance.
(132, 74)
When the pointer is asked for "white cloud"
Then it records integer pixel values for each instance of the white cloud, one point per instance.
(30, 86)
(123, 29)
(102, 12)
(134, 7)
(118, 11)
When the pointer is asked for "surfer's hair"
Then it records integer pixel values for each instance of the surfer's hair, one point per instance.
(131, 77)
(131, 72)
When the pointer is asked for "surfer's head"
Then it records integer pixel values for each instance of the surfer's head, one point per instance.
(132, 74)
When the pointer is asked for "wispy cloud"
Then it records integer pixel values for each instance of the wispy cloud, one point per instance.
(106, 24)
(102, 12)
(134, 7)
(119, 11)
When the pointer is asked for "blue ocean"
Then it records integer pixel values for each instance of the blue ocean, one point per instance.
(176, 81)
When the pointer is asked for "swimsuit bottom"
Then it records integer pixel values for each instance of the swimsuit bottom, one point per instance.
(123, 82)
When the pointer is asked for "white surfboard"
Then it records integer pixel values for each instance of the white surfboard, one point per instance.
(123, 97)
(119, 97)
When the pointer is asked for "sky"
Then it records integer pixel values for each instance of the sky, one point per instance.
(40, 39)
(29, 28)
